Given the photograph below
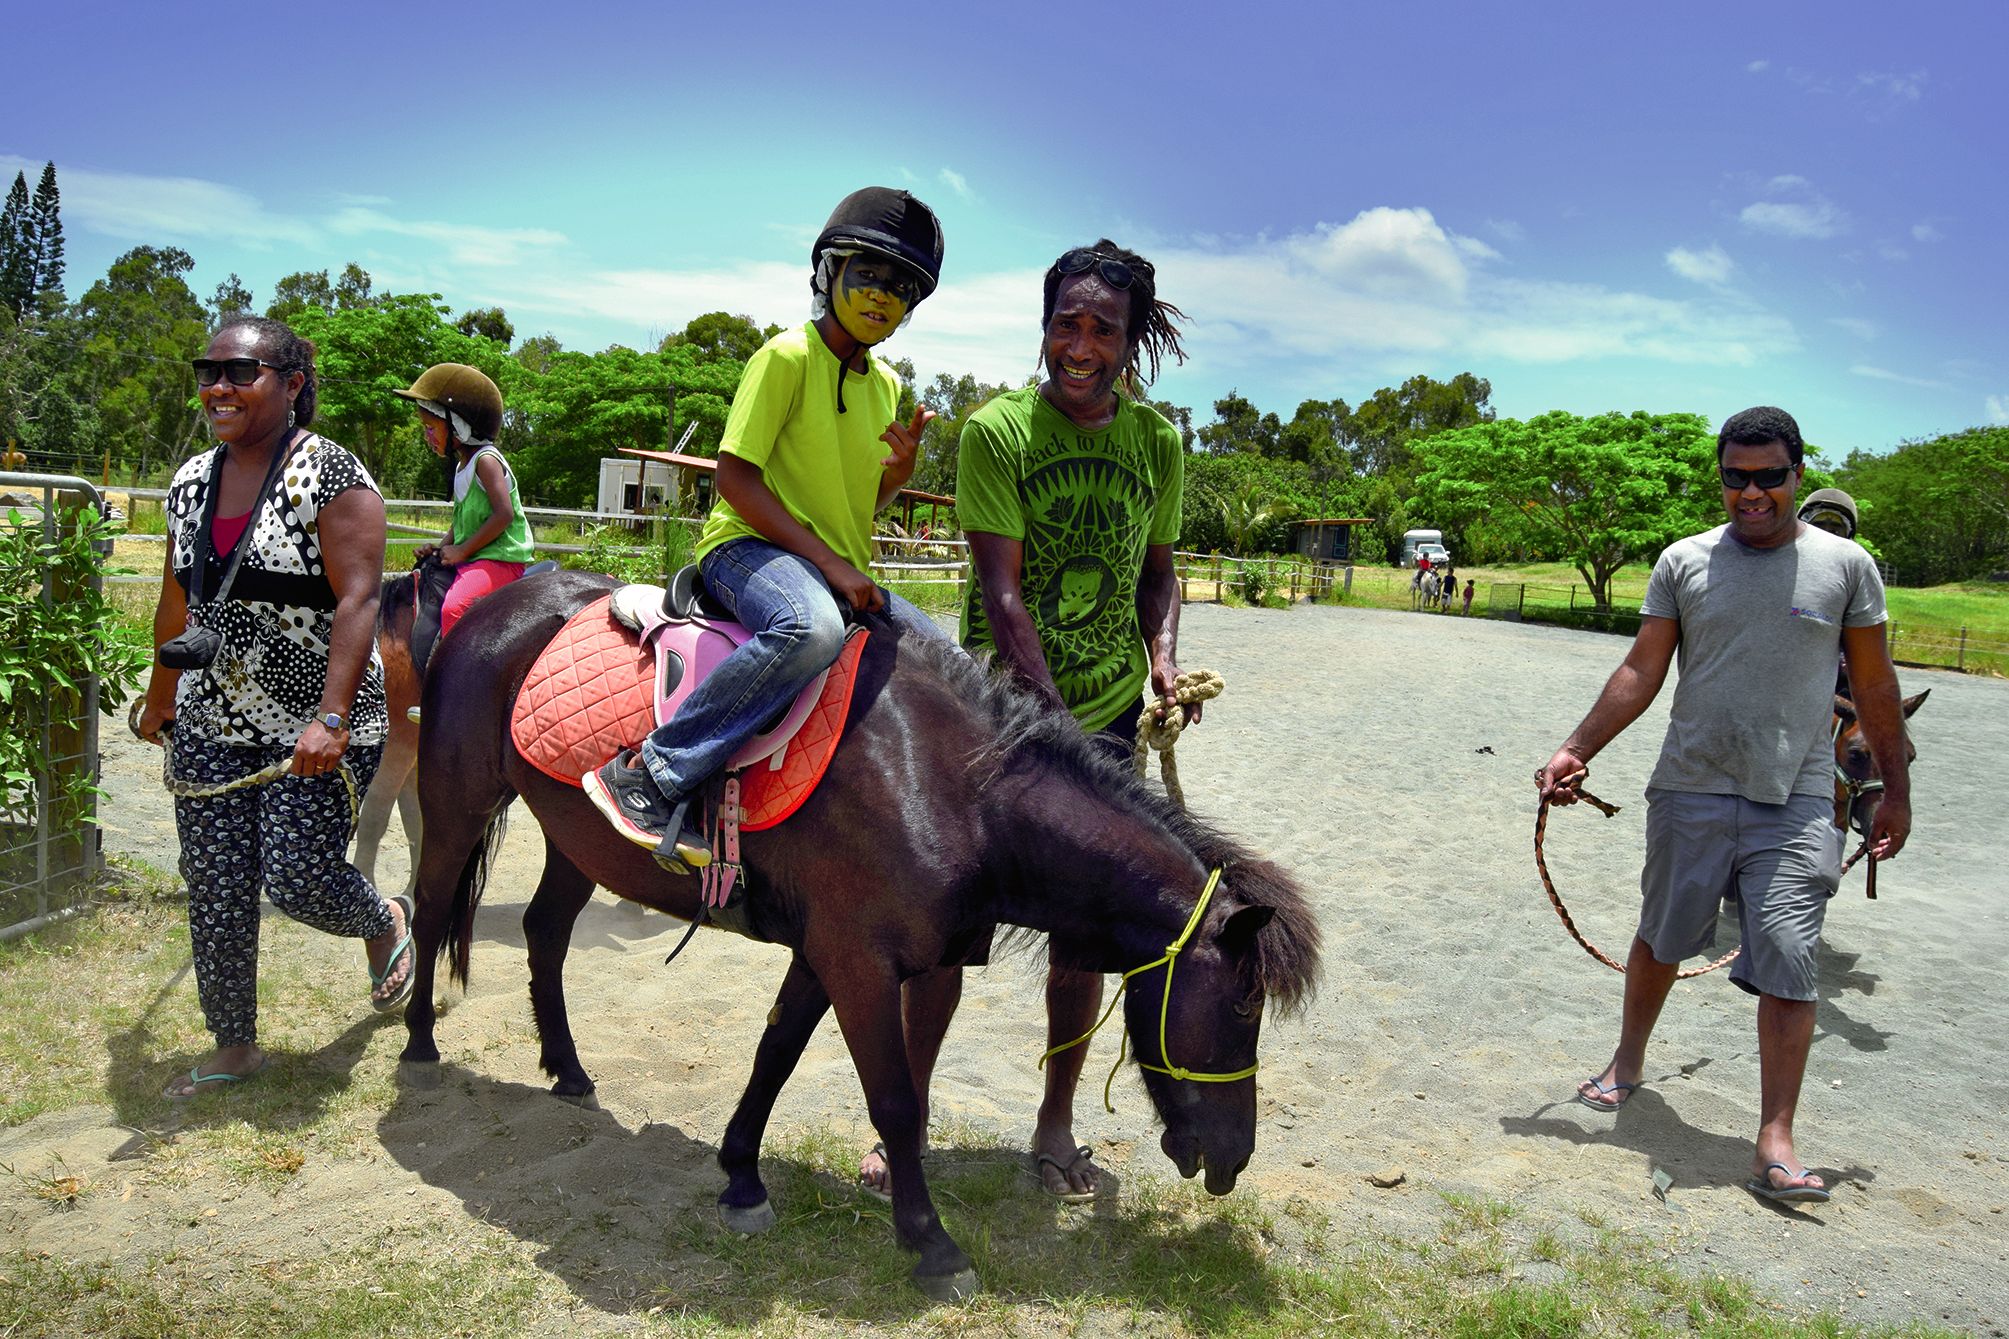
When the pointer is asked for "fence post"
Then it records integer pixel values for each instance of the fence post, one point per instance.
(1293, 583)
(1219, 596)
(1962, 665)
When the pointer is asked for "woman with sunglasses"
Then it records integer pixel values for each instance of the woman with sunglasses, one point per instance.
(275, 554)
(802, 469)
(1070, 494)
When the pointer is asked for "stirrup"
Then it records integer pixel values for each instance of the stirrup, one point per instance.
(681, 851)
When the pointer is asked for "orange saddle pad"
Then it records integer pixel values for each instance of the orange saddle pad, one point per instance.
(591, 694)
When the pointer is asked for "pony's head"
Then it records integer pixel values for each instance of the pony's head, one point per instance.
(1858, 785)
(1252, 948)
(1195, 1020)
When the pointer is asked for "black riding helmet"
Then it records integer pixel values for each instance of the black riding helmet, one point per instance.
(884, 222)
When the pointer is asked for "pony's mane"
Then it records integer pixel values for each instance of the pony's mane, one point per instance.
(397, 595)
(1024, 728)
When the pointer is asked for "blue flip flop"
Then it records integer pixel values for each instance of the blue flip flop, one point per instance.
(396, 999)
(1604, 1091)
(1761, 1186)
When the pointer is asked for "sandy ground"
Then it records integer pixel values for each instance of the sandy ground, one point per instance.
(1387, 758)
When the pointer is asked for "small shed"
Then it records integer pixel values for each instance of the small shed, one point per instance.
(1329, 540)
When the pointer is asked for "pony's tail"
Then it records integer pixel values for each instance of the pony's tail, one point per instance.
(458, 941)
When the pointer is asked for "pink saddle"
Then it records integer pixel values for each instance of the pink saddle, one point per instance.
(599, 687)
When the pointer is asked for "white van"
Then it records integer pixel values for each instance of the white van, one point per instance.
(1429, 541)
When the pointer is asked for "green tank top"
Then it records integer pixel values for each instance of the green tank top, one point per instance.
(471, 511)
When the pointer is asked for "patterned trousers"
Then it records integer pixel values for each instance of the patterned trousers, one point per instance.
(288, 838)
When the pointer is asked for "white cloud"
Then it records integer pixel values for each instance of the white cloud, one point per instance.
(1507, 230)
(1855, 325)
(1884, 374)
(1712, 266)
(1925, 232)
(1998, 408)
(1796, 209)
(958, 183)
(1758, 67)
(1892, 251)
(172, 210)
(465, 243)
(1893, 88)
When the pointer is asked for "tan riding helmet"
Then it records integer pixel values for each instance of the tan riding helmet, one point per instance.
(465, 390)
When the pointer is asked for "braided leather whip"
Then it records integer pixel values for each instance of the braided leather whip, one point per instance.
(1556, 901)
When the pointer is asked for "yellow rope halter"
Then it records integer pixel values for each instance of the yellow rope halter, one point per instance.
(1168, 962)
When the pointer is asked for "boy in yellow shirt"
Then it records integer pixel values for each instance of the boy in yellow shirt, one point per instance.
(802, 470)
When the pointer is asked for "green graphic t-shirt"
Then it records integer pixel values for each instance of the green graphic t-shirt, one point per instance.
(1085, 506)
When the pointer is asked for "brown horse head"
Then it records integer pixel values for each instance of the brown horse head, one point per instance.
(1858, 786)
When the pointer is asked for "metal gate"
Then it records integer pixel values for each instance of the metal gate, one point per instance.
(50, 845)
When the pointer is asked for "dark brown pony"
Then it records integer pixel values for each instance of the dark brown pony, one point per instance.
(953, 804)
(1858, 787)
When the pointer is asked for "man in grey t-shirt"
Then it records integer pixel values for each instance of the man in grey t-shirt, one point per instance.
(1740, 801)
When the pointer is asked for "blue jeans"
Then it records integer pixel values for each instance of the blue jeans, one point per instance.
(798, 632)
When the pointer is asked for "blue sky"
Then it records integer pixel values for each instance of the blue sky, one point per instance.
(1730, 204)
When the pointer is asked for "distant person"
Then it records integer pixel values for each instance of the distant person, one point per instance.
(1742, 798)
(1468, 595)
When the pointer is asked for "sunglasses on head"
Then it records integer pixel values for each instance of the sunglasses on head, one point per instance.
(1774, 477)
(241, 371)
(1116, 273)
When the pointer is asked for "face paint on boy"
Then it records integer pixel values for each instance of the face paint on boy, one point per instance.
(870, 298)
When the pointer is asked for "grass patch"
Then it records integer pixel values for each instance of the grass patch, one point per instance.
(219, 1239)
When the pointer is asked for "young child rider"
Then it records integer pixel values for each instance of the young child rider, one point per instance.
(489, 541)
(801, 472)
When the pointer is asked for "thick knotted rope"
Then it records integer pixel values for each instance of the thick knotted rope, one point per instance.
(196, 790)
(1157, 729)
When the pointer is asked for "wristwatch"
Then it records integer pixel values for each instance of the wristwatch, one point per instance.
(333, 720)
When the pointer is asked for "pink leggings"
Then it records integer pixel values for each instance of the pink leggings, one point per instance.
(471, 581)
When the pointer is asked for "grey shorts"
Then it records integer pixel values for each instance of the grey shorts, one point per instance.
(1782, 861)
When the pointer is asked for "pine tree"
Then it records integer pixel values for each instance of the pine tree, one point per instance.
(48, 222)
(17, 249)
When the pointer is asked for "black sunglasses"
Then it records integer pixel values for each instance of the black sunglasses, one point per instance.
(1116, 273)
(241, 371)
(1768, 478)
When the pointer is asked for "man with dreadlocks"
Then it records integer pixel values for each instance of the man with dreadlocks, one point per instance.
(1069, 492)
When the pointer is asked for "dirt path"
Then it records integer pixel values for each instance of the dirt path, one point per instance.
(1386, 757)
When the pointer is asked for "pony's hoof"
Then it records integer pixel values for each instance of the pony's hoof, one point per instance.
(957, 1287)
(418, 1075)
(585, 1101)
(747, 1222)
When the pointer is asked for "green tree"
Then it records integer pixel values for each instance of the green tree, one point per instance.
(1239, 426)
(1596, 493)
(1242, 503)
(299, 291)
(717, 335)
(18, 252)
(47, 219)
(139, 326)
(231, 296)
(1387, 426)
(488, 323)
(1937, 510)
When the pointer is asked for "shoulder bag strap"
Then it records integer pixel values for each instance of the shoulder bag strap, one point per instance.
(280, 454)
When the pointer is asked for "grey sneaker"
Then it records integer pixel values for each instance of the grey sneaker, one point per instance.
(626, 796)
